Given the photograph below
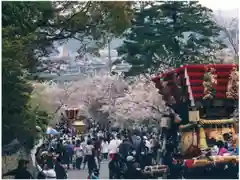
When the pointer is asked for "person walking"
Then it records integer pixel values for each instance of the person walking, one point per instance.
(97, 147)
(83, 145)
(113, 147)
(70, 152)
(125, 148)
(89, 155)
(65, 157)
(142, 154)
(60, 170)
(104, 149)
(21, 171)
(78, 152)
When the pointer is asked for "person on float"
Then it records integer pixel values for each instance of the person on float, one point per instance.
(222, 149)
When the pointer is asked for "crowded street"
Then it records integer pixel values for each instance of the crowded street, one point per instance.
(120, 90)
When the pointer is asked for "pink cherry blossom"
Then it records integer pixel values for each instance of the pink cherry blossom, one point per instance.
(103, 98)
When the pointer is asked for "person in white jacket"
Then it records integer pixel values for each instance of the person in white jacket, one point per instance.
(113, 147)
(104, 149)
(49, 173)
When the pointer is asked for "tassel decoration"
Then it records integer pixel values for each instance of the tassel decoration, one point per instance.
(202, 143)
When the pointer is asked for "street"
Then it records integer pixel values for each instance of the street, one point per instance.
(83, 174)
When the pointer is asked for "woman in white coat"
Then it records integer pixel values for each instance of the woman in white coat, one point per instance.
(104, 149)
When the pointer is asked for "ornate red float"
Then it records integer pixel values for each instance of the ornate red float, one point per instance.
(191, 79)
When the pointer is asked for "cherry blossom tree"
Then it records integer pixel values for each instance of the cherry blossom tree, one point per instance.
(89, 95)
(141, 102)
(104, 98)
(98, 91)
(49, 97)
(46, 96)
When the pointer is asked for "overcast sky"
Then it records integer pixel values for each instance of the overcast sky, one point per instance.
(220, 4)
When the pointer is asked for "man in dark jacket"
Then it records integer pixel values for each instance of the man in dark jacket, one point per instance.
(142, 154)
(97, 148)
(136, 140)
(125, 148)
(70, 153)
(60, 170)
(21, 171)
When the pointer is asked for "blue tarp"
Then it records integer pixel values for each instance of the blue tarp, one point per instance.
(52, 131)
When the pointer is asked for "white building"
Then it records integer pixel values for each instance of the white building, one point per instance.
(69, 68)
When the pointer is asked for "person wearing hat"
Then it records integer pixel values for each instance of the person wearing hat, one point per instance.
(21, 171)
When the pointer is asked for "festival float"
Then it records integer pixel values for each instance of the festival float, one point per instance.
(205, 97)
(73, 119)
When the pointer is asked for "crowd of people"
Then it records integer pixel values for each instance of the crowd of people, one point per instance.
(68, 150)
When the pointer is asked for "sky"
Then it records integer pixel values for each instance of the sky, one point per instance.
(220, 4)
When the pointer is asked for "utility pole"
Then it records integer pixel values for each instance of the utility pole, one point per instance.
(109, 56)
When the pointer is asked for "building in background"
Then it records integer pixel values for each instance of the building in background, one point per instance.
(68, 67)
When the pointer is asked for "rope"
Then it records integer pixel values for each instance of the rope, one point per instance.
(154, 169)
(220, 121)
(215, 160)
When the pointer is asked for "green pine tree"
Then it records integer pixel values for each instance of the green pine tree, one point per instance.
(170, 34)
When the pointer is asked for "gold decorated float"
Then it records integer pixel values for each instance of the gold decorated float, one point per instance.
(80, 126)
(205, 98)
(73, 119)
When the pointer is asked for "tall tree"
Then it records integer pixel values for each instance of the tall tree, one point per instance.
(20, 22)
(28, 31)
(169, 34)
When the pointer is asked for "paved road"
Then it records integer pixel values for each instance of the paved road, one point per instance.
(83, 174)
